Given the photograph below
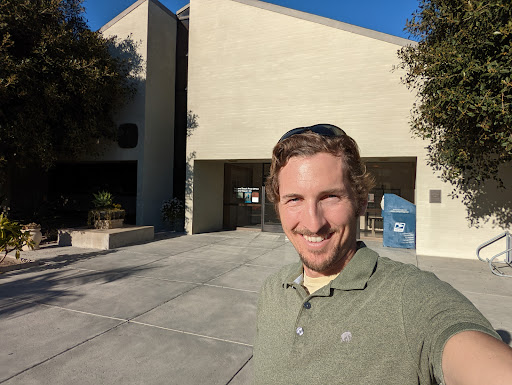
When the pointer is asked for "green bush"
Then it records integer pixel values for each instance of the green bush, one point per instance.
(12, 237)
(173, 212)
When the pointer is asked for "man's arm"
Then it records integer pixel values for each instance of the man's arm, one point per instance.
(473, 357)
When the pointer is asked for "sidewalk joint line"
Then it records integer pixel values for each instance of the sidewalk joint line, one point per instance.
(128, 321)
(230, 288)
(62, 352)
(74, 311)
(190, 333)
(239, 370)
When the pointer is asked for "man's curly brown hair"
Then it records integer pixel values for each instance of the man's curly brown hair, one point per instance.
(309, 144)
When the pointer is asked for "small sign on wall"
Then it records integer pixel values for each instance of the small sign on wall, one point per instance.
(247, 194)
(435, 196)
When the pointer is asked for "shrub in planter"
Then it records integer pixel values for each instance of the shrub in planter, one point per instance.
(106, 214)
(12, 237)
(173, 213)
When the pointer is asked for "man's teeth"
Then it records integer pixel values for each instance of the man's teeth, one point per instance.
(313, 239)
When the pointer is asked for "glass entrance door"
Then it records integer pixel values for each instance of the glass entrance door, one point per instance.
(242, 195)
(269, 218)
(245, 203)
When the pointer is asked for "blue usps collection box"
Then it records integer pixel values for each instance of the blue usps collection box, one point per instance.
(399, 217)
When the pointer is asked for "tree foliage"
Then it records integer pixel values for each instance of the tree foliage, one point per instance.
(461, 69)
(59, 84)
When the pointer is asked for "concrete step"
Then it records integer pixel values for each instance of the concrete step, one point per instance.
(105, 239)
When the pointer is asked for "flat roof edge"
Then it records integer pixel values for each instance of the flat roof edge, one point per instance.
(182, 8)
(329, 22)
(165, 9)
(133, 7)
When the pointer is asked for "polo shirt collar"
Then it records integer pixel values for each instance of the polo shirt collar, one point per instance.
(358, 270)
(354, 276)
(296, 278)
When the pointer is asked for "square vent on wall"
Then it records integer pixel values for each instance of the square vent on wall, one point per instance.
(128, 135)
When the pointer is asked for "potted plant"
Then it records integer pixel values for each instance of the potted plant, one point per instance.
(106, 214)
(34, 231)
(12, 237)
(173, 212)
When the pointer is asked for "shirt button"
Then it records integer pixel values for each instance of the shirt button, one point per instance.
(299, 331)
(307, 305)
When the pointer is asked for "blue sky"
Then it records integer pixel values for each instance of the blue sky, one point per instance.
(380, 15)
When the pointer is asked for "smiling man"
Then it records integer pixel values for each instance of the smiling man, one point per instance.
(344, 315)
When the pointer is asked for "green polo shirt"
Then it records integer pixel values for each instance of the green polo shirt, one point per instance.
(379, 322)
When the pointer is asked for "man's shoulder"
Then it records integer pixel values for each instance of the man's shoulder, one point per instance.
(405, 269)
(391, 266)
(410, 283)
(402, 273)
(383, 265)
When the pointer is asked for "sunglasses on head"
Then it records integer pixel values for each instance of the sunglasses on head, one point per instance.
(320, 129)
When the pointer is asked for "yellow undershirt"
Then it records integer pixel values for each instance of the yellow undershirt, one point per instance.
(313, 284)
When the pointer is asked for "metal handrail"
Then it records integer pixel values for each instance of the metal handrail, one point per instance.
(508, 251)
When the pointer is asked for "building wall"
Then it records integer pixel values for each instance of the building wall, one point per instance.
(443, 229)
(208, 197)
(254, 74)
(153, 29)
(130, 26)
(157, 161)
(256, 70)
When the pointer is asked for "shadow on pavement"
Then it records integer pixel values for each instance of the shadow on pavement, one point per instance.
(51, 281)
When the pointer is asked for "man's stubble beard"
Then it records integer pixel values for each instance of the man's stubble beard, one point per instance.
(338, 255)
(323, 265)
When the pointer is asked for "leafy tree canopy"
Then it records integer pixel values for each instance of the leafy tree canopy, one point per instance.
(59, 84)
(461, 69)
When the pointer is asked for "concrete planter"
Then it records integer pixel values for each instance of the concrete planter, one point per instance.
(103, 224)
(106, 219)
(35, 236)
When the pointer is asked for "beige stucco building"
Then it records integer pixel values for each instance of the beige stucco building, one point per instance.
(256, 70)
(153, 30)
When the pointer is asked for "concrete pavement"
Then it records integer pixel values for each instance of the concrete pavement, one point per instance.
(178, 310)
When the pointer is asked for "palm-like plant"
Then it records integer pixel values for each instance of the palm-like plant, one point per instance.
(103, 200)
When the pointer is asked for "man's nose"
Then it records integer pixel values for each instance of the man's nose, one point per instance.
(313, 217)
